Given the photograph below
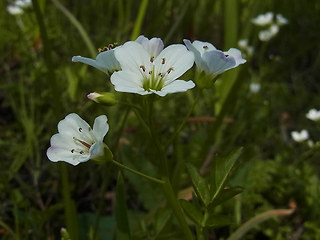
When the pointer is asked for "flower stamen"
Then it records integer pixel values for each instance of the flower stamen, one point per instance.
(82, 142)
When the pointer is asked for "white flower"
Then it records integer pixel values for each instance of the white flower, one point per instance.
(254, 87)
(281, 20)
(150, 70)
(265, 35)
(243, 43)
(263, 19)
(214, 61)
(313, 115)
(76, 141)
(105, 61)
(274, 29)
(23, 3)
(14, 10)
(300, 136)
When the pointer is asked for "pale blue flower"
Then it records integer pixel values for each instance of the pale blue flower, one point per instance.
(214, 61)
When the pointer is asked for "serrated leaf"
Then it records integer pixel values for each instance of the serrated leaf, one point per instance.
(192, 211)
(218, 221)
(222, 167)
(200, 185)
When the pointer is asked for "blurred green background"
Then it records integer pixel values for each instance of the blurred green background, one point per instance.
(39, 86)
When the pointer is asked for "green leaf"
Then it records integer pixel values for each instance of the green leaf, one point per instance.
(123, 231)
(192, 211)
(200, 185)
(218, 221)
(226, 194)
(162, 218)
(222, 167)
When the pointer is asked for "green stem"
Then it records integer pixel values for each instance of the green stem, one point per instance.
(69, 207)
(178, 130)
(137, 172)
(167, 186)
(173, 201)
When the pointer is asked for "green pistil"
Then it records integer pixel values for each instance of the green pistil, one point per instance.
(153, 81)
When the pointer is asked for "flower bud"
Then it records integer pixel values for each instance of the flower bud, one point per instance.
(105, 98)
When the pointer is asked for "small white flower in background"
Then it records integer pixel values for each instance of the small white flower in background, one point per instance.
(263, 19)
(313, 114)
(76, 141)
(281, 20)
(214, 61)
(16, 8)
(300, 136)
(243, 44)
(147, 69)
(265, 35)
(105, 60)
(254, 87)
(268, 20)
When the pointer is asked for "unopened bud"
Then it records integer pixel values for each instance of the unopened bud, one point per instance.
(105, 98)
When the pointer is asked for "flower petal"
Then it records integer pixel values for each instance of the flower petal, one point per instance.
(105, 61)
(127, 82)
(218, 62)
(153, 46)
(175, 57)
(133, 57)
(177, 86)
(96, 150)
(236, 54)
(56, 154)
(74, 126)
(197, 55)
(100, 127)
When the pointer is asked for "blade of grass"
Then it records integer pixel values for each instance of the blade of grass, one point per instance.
(78, 26)
(137, 26)
(247, 226)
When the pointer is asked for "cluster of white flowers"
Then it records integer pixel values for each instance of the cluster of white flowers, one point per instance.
(302, 136)
(267, 20)
(143, 67)
(16, 8)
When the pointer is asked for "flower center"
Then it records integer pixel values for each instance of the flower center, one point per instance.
(154, 80)
(84, 145)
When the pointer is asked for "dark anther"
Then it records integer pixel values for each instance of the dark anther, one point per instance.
(226, 55)
(81, 152)
(143, 68)
(205, 47)
(163, 61)
(150, 72)
(72, 150)
(80, 129)
(152, 59)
